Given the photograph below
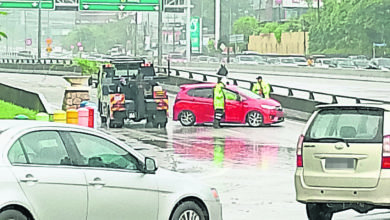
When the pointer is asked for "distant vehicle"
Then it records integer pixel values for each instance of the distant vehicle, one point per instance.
(344, 63)
(273, 60)
(300, 61)
(361, 64)
(244, 59)
(322, 63)
(287, 61)
(213, 60)
(358, 57)
(260, 60)
(177, 58)
(380, 63)
(231, 60)
(342, 160)
(203, 59)
(94, 175)
(194, 104)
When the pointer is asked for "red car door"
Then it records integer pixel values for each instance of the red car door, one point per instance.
(202, 104)
(233, 107)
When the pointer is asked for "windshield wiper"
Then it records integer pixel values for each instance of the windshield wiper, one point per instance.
(333, 139)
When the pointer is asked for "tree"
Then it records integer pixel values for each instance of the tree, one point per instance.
(245, 25)
(349, 27)
(2, 34)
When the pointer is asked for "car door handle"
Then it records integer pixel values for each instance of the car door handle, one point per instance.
(97, 182)
(29, 178)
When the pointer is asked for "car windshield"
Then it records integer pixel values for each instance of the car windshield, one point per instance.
(299, 60)
(352, 124)
(287, 60)
(246, 58)
(176, 56)
(248, 93)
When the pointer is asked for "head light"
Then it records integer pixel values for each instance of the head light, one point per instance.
(268, 107)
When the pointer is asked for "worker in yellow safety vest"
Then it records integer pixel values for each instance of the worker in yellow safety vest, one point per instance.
(219, 103)
(261, 88)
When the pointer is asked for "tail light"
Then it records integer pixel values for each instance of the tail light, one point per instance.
(299, 151)
(386, 152)
(159, 93)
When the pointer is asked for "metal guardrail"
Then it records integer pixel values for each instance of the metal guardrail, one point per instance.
(311, 95)
(36, 61)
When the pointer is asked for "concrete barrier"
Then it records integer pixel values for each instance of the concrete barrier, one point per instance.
(23, 98)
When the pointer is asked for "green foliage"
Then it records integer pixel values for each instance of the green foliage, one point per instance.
(88, 67)
(349, 27)
(9, 111)
(2, 34)
(245, 25)
(101, 37)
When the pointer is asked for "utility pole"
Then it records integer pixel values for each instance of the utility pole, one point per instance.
(160, 9)
(136, 33)
(318, 10)
(39, 29)
(217, 20)
(188, 36)
(25, 29)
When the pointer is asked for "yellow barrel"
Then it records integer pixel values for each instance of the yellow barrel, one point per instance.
(42, 117)
(72, 116)
(59, 116)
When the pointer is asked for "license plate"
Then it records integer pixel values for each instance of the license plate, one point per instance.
(117, 98)
(339, 163)
(132, 115)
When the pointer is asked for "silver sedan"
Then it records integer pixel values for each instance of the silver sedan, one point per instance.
(59, 171)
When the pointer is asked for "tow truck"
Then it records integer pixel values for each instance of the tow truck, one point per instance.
(128, 89)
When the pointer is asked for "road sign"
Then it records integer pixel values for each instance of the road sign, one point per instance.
(49, 41)
(49, 49)
(379, 45)
(118, 5)
(28, 42)
(195, 34)
(236, 38)
(29, 4)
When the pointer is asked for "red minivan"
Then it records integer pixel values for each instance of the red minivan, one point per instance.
(194, 104)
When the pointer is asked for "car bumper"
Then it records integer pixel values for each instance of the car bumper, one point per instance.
(215, 210)
(377, 195)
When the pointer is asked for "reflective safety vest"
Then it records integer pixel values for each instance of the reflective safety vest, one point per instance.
(219, 96)
(262, 88)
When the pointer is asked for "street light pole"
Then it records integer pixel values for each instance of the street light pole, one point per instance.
(160, 8)
(39, 29)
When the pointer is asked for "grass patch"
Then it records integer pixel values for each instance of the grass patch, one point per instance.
(9, 111)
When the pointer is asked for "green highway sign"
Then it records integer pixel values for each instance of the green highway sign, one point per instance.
(28, 4)
(118, 5)
(195, 34)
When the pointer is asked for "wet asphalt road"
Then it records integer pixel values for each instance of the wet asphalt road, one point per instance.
(252, 168)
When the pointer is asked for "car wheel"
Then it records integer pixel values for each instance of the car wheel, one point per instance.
(188, 211)
(255, 119)
(318, 212)
(187, 118)
(12, 214)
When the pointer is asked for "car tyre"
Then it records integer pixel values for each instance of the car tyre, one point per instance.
(12, 214)
(318, 212)
(188, 210)
(255, 119)
(187, 118)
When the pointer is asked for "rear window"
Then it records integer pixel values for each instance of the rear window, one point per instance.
(359, 125)
(201, 92)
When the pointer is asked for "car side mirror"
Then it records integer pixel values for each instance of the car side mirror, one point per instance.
(150, 165)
